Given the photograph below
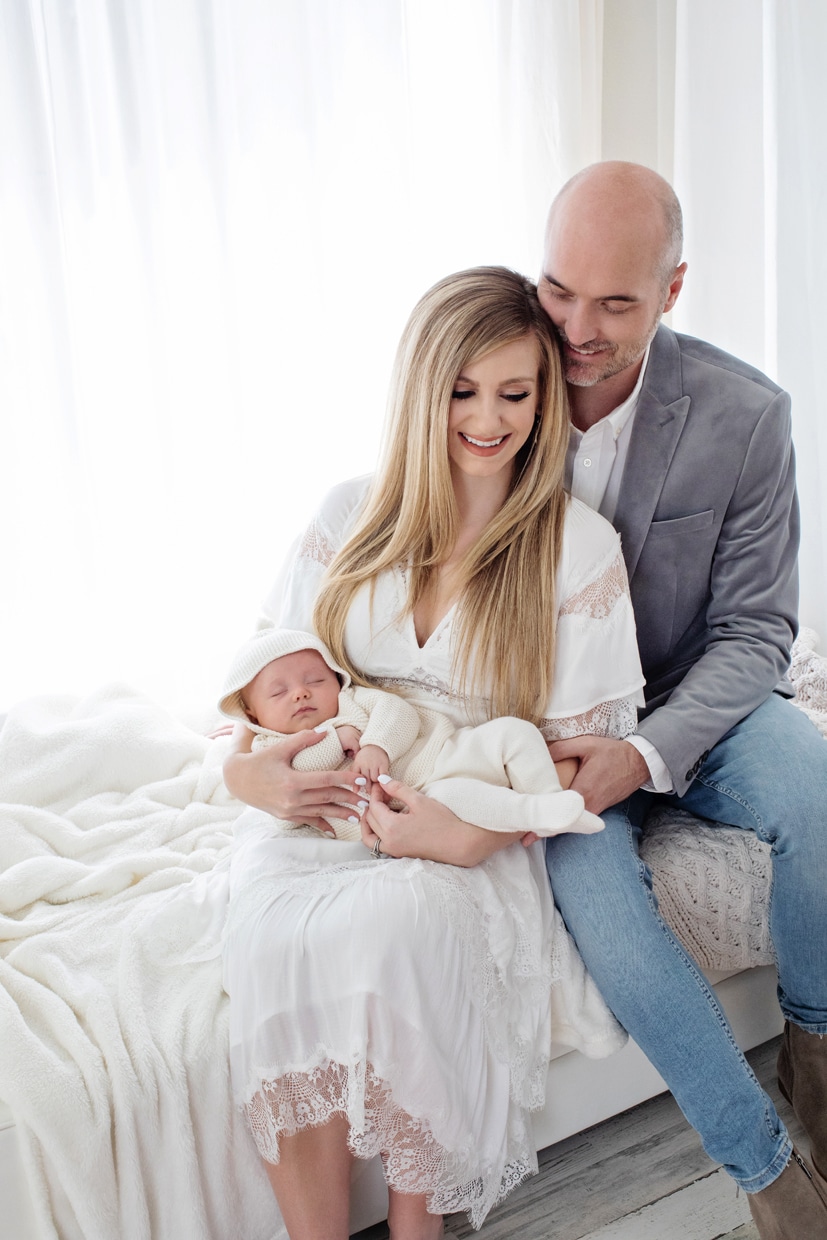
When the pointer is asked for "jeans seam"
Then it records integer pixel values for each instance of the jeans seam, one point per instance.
(714, 786)
(817, 1028)
(682, 954)
(687, 961)
(779, 1162)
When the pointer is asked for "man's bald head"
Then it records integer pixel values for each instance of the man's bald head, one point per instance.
(611, 269)
(627, 199)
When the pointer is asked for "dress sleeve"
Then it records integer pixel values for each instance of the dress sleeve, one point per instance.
(291, 600)
(598, 682)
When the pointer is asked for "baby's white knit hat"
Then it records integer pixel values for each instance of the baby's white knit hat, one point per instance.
(261, 649)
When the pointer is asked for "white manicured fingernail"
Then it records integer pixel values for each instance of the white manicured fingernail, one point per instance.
(363, 805)
(353, 818)
(322, 727)
(384, 779)
(360, 779)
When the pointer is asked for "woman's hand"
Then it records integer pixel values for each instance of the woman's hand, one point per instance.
(266, 780)
(425, 828)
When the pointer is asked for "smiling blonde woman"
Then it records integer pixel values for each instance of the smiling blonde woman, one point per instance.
(407, 1008)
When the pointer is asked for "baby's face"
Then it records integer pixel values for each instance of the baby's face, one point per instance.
(295, 692)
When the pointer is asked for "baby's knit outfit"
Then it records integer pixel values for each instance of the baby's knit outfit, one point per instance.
(497, 775)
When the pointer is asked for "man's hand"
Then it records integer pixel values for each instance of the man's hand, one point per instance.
(609, 771)
(425, 828)
(266, 780)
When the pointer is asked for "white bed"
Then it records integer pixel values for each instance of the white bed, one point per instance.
(115, 1115)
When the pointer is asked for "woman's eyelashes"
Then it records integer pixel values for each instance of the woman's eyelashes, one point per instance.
(514, 397)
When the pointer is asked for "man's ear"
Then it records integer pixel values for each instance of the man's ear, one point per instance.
(675, 286)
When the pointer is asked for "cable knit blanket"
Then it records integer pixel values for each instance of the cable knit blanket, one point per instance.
(113, 1034)
(713, 883)
(114, 844)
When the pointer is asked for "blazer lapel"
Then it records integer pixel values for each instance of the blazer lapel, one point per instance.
(657, 428)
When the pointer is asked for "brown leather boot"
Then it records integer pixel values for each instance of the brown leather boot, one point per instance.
(802, 1079)
(792, 1207)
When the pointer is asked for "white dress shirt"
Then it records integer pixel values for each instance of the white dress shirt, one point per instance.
(594, 468)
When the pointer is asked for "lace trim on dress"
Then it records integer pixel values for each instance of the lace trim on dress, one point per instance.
(315, 545)
(511, 973)
(473, 706)
(420, 681)
(490, 966)
(598, 598)
(617, 719)
(413, 1160)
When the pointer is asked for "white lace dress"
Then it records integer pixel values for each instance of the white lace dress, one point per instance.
(419, 999)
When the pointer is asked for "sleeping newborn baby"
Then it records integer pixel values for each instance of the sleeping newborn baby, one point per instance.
(497, 775)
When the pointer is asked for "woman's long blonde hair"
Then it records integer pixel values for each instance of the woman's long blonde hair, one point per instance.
(506, 617)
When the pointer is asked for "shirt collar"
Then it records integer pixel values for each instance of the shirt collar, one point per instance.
(618, 418)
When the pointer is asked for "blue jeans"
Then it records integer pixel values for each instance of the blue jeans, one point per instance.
(767, 775)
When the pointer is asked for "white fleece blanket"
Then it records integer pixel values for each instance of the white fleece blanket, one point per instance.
(112, 1037)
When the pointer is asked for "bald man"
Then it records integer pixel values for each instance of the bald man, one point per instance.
(687, 451)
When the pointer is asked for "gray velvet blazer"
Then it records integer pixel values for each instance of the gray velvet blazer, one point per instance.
(708, 519)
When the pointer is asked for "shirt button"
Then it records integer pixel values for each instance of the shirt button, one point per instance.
(587, 462)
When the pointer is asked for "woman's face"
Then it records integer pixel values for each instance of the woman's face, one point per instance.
(492, 409)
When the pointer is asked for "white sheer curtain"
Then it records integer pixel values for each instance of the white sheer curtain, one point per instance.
(215, 216)
(750, 165)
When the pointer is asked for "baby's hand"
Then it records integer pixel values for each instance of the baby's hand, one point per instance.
(371, 762)
(349, 739)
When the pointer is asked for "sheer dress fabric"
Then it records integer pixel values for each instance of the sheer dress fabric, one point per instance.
(418, 999)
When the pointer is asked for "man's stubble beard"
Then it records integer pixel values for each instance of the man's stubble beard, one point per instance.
(580, 374)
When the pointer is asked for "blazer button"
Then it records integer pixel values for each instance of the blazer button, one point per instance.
(690, 774)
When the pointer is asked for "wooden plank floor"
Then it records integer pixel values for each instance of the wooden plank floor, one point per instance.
(639, 1176)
